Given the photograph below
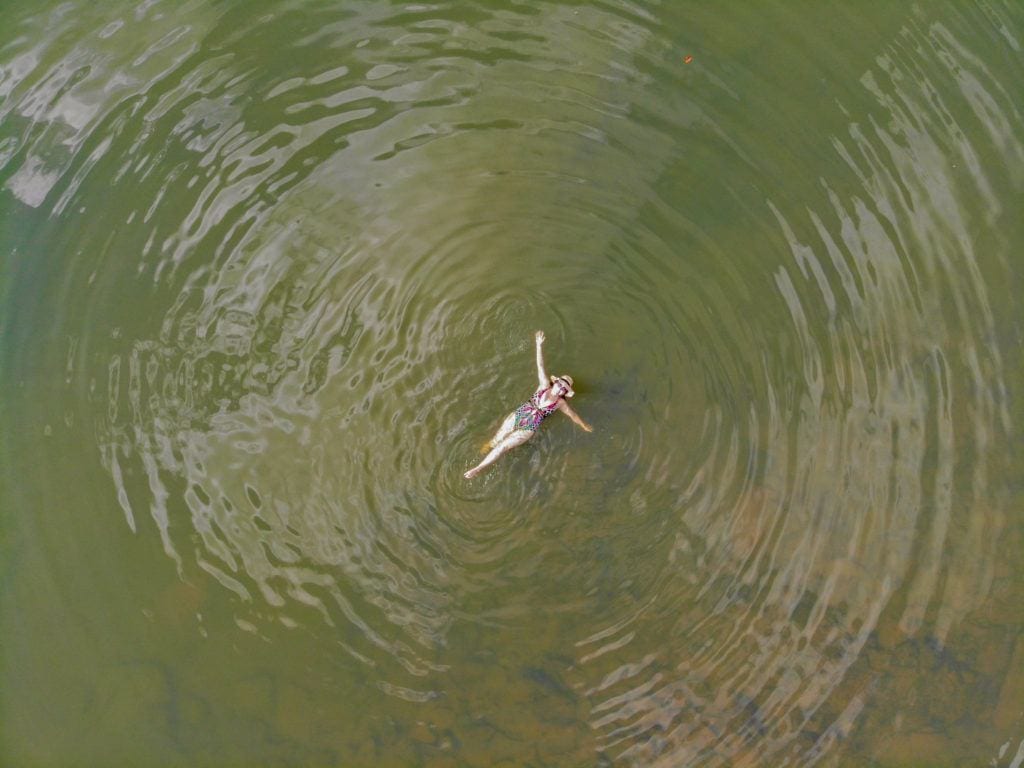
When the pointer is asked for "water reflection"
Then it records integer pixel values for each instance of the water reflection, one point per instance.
(306, 249)
(845, 488)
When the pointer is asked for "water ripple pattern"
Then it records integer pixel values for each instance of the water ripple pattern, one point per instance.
(337, 229)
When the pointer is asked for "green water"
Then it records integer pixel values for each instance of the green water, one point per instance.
(270, 275)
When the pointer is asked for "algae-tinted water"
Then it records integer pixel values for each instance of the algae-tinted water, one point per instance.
(270, 276)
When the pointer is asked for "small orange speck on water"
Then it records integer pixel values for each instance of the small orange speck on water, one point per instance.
(687, 59)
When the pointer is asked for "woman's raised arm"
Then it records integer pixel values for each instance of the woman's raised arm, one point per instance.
(542, 375)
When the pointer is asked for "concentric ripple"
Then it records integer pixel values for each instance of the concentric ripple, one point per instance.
(306, 250)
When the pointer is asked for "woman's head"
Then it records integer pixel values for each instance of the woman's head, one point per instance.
(562, 386)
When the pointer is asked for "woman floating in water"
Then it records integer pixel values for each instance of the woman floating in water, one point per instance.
(520, 425)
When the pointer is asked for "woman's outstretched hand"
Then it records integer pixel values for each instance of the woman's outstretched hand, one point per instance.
(539, 335)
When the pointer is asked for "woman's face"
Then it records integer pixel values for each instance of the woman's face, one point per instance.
(559, 388)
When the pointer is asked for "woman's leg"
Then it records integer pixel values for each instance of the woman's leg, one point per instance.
(517, 437)
(503, 431)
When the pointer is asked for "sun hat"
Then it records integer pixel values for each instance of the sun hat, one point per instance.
(567, 380)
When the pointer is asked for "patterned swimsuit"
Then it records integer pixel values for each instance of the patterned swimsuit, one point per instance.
(530, 414)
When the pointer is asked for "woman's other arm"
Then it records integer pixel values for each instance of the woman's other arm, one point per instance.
(565, 408)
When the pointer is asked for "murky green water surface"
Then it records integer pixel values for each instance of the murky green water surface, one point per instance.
(270, 273)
